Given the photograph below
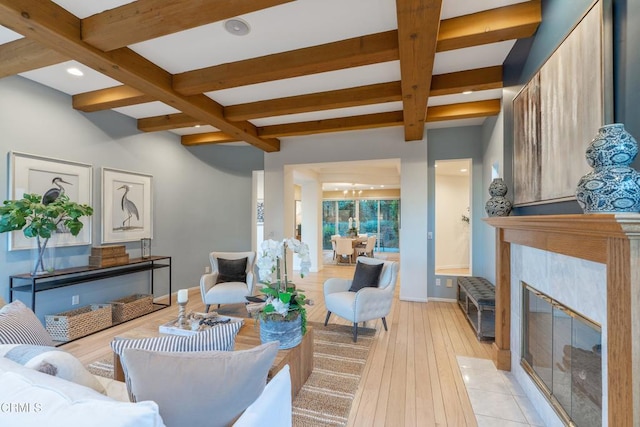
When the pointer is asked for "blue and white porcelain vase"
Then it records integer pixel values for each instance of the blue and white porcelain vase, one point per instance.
(498, 205)
(613, 186)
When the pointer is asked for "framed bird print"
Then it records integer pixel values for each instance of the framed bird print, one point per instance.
(49, 178)
(126, 206)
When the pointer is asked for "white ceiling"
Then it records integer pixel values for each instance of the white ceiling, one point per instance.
(289, 26)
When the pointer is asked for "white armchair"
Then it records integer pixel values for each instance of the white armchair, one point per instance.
(366, 304)
(227, 292)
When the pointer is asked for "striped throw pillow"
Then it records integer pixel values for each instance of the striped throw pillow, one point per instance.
(220, 337)
(18, 325)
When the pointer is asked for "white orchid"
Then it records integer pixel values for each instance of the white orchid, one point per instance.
(282, 299)
(280, 307)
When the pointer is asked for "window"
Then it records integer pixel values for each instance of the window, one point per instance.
(379, 217)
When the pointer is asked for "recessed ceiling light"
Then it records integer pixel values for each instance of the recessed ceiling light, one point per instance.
(196, 126)
(370, 188)
(463, 170)
(237, 27)
(467, 92)
(382, 186)
(75, 72)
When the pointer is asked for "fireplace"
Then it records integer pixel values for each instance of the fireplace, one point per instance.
(561, 351)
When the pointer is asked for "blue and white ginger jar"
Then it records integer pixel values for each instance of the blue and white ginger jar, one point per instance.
(613, 186)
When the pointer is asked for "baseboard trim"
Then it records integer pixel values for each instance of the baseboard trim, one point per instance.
(413, 299)
(443, 299)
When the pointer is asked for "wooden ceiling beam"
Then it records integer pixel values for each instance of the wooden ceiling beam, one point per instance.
(511, 22)
(52, 26)
(441, 84)
(25, 54)
(475, 80)
(207, 138)
(355, 52)
(465, 110)
(368, 121)
(167, 122)
(505, 23)
(418, 23)
(105, 99)
(343, 98)
(147, 19)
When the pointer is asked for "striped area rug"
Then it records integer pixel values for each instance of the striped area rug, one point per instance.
(325, 399)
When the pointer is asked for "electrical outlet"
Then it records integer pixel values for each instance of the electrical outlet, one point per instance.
(449, 283)
(75, 300)
(438, 282)
(207, 269)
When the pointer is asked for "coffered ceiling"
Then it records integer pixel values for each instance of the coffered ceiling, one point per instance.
(305, 67)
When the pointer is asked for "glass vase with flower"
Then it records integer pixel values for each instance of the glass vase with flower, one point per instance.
(282, 315)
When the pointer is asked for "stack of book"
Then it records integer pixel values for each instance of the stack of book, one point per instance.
(108, 256)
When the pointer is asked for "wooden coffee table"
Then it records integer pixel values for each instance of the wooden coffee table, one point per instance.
(299, 358)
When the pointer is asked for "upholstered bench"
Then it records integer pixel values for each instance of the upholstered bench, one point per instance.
(477, 298)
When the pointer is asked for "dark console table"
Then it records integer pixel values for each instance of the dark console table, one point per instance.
(76, 275)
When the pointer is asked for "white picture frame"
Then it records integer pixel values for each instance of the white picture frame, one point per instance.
(126, 217)
(30, 173)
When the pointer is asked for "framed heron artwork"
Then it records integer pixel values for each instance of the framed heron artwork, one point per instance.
(50, 178)
(126, 206)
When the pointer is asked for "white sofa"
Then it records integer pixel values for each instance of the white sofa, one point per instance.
(31, 398)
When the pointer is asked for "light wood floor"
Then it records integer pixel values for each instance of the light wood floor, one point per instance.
(411, 377)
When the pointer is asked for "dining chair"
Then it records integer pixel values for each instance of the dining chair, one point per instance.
(333, 244)
(344, 248)
(367, 250)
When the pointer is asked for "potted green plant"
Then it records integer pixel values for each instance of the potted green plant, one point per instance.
(283, 316)
(41, 220)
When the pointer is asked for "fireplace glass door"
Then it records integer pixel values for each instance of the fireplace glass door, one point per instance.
(562, 353)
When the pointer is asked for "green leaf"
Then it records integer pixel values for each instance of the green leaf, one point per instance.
(285, 297)
(268, 308)
(270, 291)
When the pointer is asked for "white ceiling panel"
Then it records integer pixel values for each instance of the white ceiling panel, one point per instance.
(57, 77)
(458, 98)
(329, 114)
(321, 82)
(84, 8)
(7, 35)
(472, 57)
(194, 130)
(453, 8)
(148, 109)
(290, 26)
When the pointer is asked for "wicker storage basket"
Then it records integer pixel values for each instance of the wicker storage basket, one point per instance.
(72, 324)
(132, 306)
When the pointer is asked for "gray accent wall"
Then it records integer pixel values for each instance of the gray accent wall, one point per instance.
(447, 144)
(201, 195)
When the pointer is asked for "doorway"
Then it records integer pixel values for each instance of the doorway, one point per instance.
(453, 217)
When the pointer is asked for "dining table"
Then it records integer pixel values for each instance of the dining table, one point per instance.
(356, 242)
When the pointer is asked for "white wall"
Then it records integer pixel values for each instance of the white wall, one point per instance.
(350, 146)
(453, 235)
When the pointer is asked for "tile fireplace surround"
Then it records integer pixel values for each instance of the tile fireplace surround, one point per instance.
(592, 264)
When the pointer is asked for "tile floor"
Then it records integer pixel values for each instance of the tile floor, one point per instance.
(496, 397)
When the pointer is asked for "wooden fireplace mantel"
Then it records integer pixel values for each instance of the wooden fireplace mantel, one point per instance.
(613, 240)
